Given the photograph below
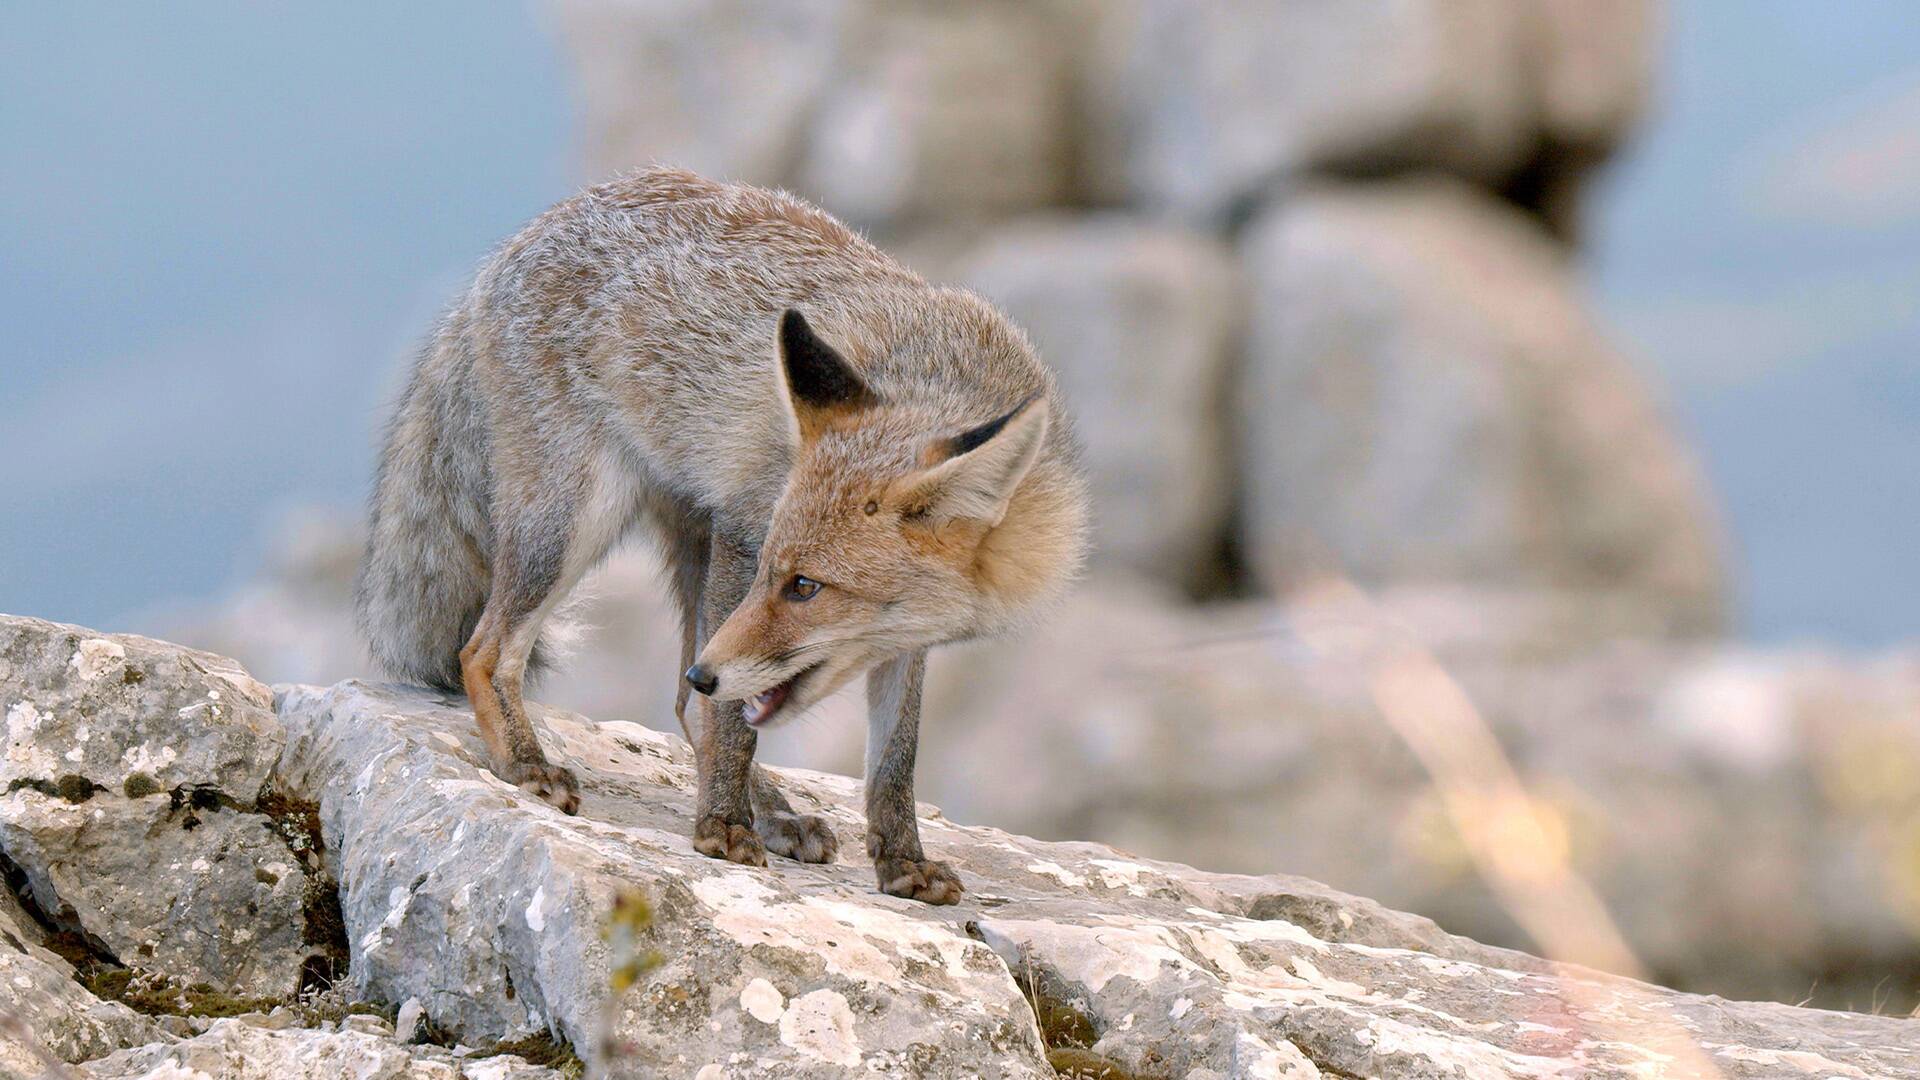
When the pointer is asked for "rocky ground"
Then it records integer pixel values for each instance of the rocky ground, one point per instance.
(208, 878)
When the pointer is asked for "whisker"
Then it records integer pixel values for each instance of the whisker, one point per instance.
(802, 650)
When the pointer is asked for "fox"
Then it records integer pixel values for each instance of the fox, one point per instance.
(841, 465)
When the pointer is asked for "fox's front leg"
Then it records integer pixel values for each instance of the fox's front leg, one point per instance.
(723, 813)
(893, 831)
(723, 751)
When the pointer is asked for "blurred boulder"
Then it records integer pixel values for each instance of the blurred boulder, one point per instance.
(137, 810)
(1426, 399)
(1140, 322)
(1224, 101)
(886, 113)
(727, 89)
(1591, 67)
(942, 112)
(904, 114)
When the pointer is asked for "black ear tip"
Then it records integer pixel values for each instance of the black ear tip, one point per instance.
(974, 438)
(796, 334)
(816, 373)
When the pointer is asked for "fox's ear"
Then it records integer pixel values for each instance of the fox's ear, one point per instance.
(975, 472)
(820, 383)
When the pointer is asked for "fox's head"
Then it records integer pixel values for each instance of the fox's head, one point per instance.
(899, 527)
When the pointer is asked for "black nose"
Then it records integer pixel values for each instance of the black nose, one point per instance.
(702, 679)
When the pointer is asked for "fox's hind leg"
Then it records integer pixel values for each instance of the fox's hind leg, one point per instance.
(537, 560)
(801, 837)
(684, 537)
(493, 688)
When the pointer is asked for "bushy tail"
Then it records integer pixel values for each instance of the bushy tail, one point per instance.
(428, 564)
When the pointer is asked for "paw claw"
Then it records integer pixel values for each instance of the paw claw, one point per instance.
(806, 838)
(555, 785)
(926, 880)
(718, 838)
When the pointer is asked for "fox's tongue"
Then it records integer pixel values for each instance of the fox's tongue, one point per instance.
(763, 704)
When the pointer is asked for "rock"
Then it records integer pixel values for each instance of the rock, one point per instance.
(410, 1025)
(136, 776)
(41, 995)
(1228, 99)
(886, 113)
(1227, 997)
(897, 114)
(1592, 66)
(109, 712)
(943, 111)
(1590, 69)
(233, 1050)
(1223, 103)
(726, 89)
(453, 879)
(202, 893)
(1425, 400)
(492, 916)
(370, 1025)
(1140, 321)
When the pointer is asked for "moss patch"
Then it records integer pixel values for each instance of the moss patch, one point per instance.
(156, 995)
(1083, 1064)
(139, 785)
(1062, 1022)
(297, 821)
(544, 1050)
(71, 787)
(73, 947)
(1067, 1030)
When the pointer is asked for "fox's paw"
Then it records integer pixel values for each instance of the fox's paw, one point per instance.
(718, 838)
(804, 837)
(552, 784)
(925, 880)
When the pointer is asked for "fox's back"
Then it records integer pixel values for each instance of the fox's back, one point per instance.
(647, 304)
(663, 262)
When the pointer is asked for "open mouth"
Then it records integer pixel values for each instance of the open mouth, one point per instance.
(762, 706)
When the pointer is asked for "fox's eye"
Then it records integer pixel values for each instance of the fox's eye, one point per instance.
(801, 589)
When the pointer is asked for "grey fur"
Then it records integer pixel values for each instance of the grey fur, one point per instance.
(615, 364)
